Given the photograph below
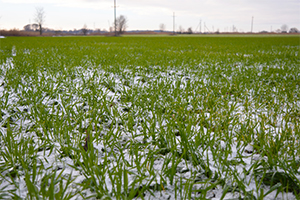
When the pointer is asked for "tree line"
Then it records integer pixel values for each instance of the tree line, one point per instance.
(120, 24)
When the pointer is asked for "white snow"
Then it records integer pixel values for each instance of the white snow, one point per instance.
(51, 159)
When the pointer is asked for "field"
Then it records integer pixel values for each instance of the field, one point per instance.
(150, 117)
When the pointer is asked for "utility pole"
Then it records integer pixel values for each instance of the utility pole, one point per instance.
(200, 25)
(0, 27)
(252, 24)
(205, 27)
(173, 23)
(115, 12)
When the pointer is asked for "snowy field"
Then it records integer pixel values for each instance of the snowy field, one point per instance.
(150, 118)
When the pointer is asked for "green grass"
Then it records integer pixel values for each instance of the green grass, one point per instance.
(178, 117)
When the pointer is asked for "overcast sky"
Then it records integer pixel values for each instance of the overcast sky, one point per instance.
(149, 14)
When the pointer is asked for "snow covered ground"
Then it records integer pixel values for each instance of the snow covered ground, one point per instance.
(165, 134)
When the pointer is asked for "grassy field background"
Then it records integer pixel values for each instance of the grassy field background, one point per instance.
(166, 117)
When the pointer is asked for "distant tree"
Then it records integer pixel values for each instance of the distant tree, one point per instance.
(58, 32)
(162, 27)
(180, 30)
(31, 27)
(27, 27)
(40, 18)
(190, 30)
(234, 29)
(34, 27)
(84, 29)
(294, 30)
(284, 28)
(122, 24)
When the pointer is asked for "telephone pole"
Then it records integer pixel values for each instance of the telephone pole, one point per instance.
(115, 12)
(200, 25)
(252, 24)
(173, 23)
(205, 27)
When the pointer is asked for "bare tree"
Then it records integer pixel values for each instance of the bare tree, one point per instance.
(35, 27)
(180, 30)
(121, 23)
(40, 18)
(162, 27)
(284, 28)
(84, 29)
